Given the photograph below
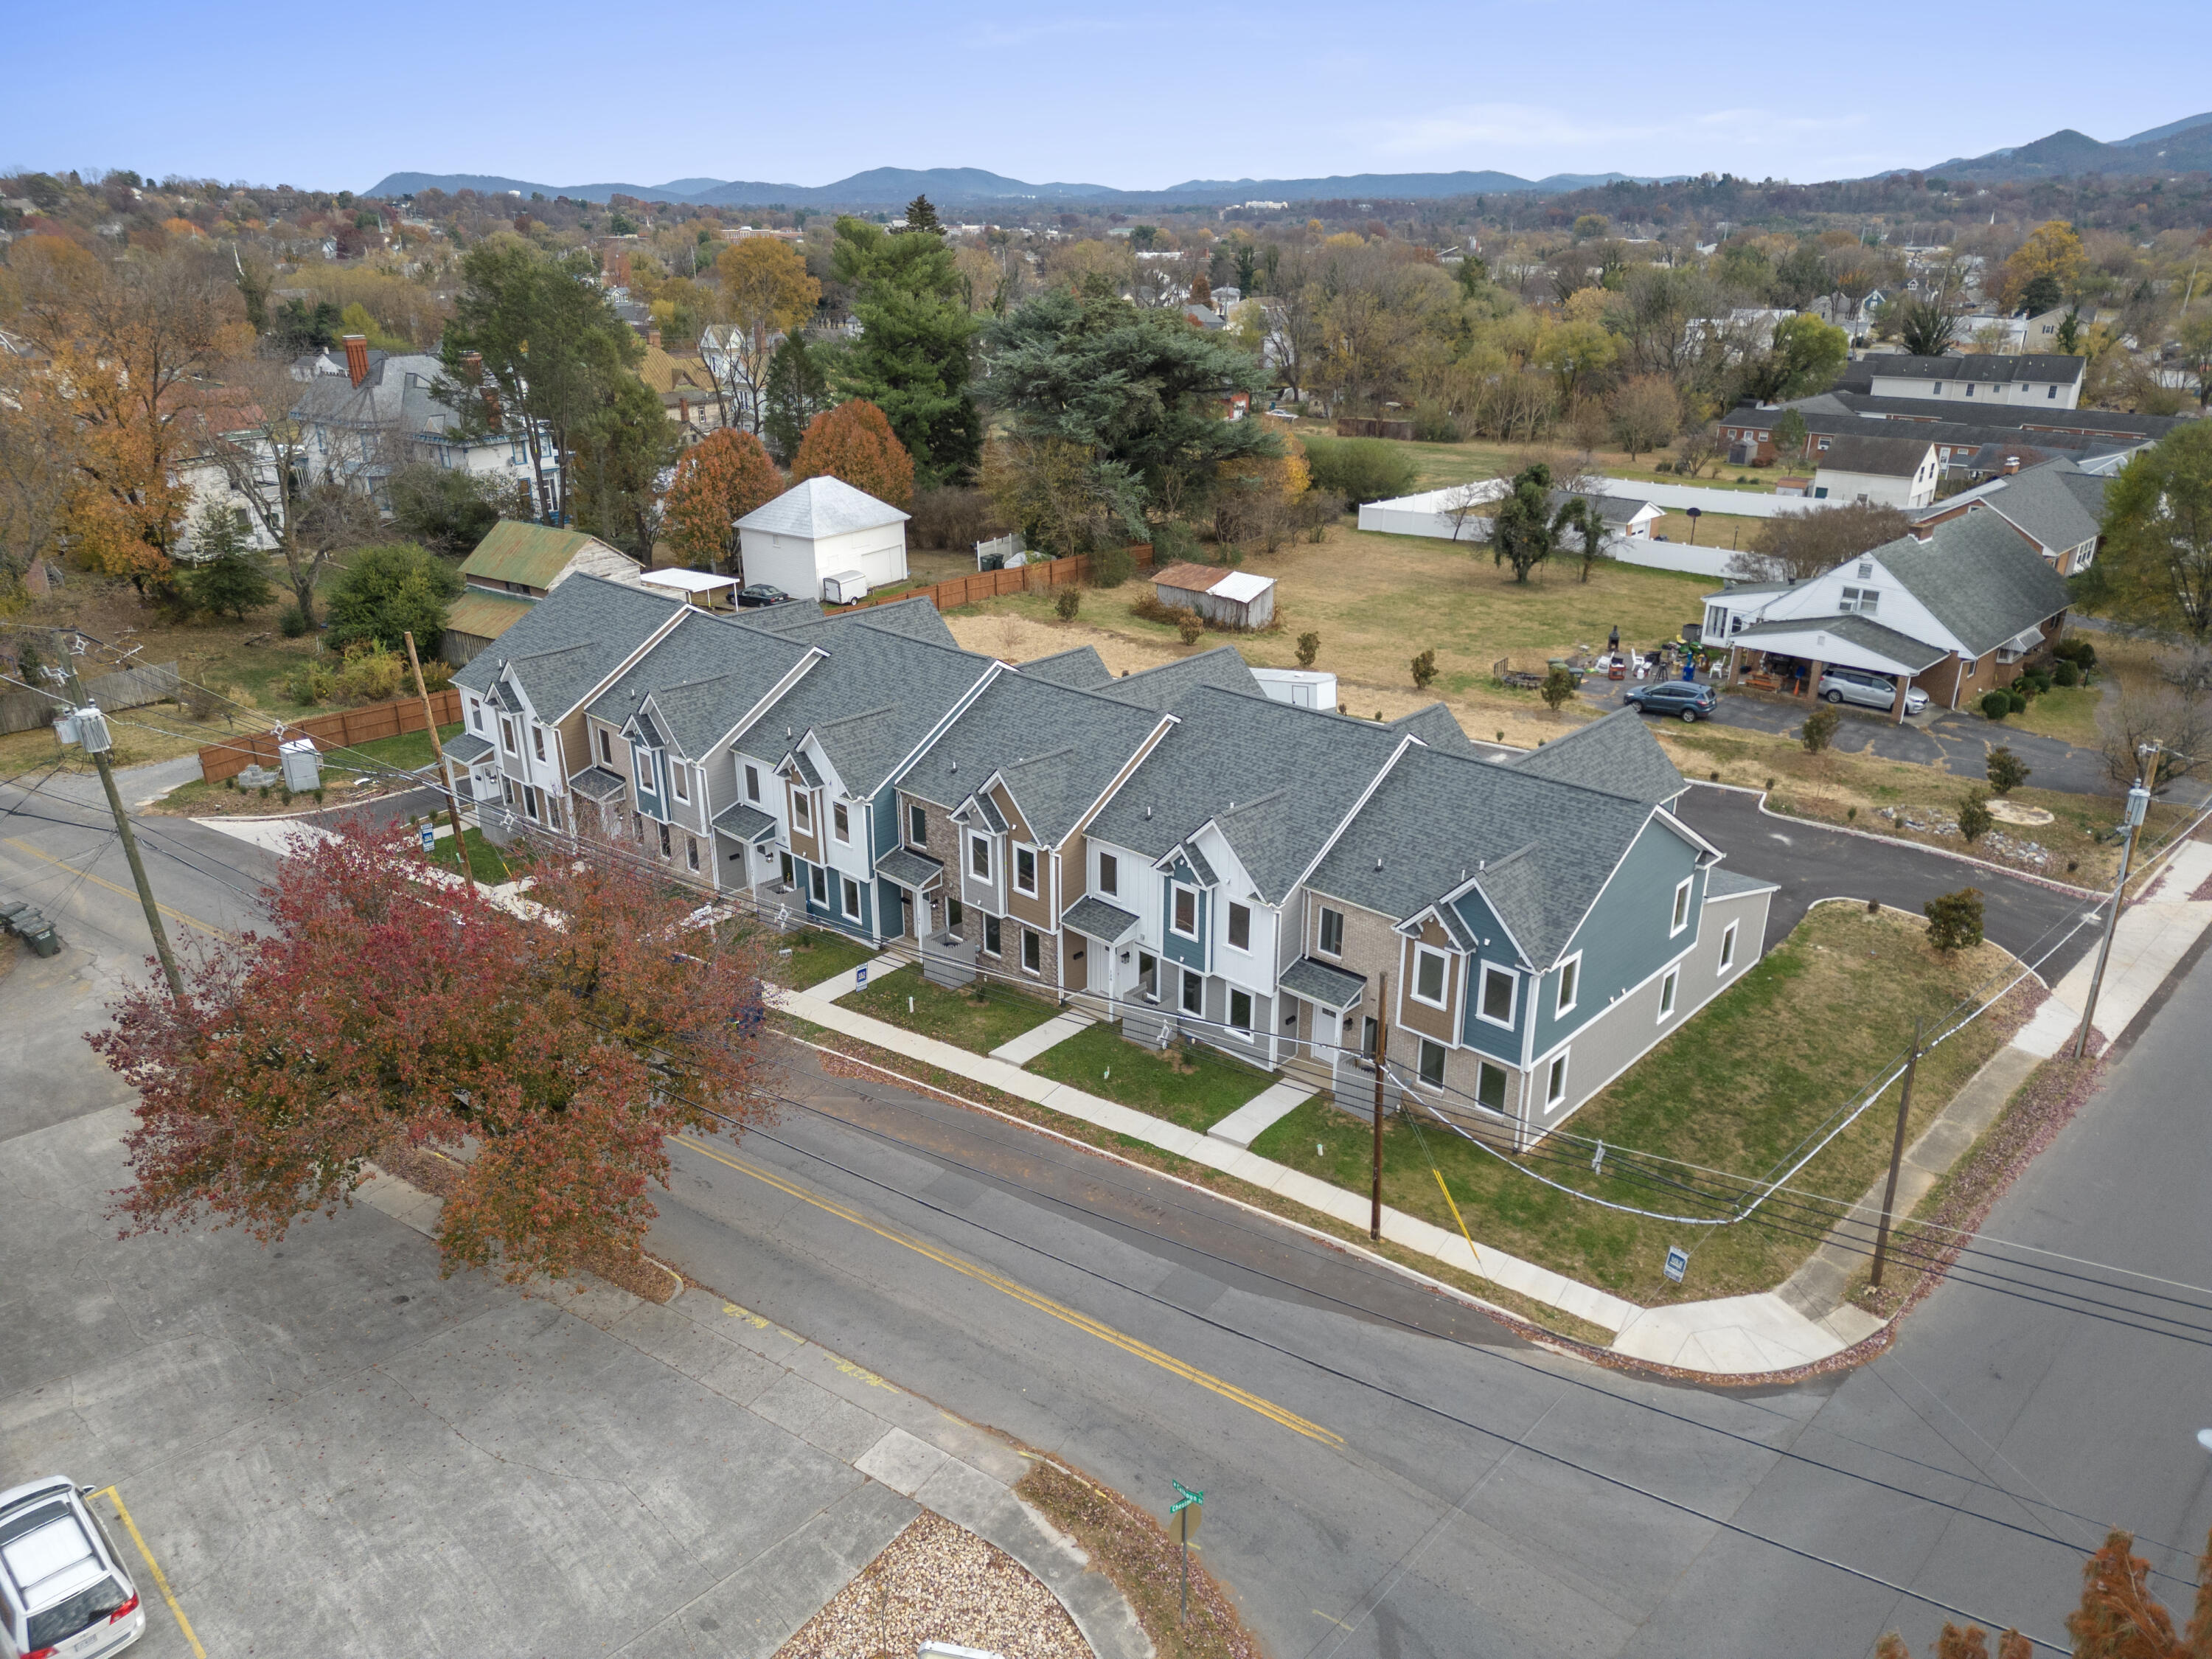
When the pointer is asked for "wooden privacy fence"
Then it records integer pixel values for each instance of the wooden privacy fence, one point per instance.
(1034, 578)
(126, 688)
(349, 726)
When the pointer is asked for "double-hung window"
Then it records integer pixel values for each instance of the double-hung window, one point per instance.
(1432, 1063)
(1667, 987)
(1184, 917)
(917, 826)
(507, 735)
(1109, 874)
(476, 716)
(1240, 928)
(641, 765)
(679, 779)
(841, 822)
(1499, 986)
(1681, 916)
(1571, 973)
(1332, 931)
(752, 783)
(979, 857)
(802, 809)
(537, 740)
(1025, 870)
(1431, 976)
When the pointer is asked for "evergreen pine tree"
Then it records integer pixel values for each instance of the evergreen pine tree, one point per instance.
(229, 575)
(921, 216)
(797, 391)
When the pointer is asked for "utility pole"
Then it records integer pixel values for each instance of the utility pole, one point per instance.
(123, 829)
(438, 749)
(1896, 1159)
(2138, 805)
(1382, 1045)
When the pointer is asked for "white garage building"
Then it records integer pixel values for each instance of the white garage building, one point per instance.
(823, 528)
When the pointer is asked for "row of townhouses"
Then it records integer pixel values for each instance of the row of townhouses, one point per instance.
(1170, 848)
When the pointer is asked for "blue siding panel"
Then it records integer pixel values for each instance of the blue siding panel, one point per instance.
(1624, 940)
(1185, 953)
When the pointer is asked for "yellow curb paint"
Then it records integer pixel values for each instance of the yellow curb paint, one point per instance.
(153, 1566)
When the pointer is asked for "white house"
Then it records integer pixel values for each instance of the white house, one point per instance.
(823, 528)
(2046, 379)
(1892, 471)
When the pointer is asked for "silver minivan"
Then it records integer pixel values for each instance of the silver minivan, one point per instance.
(63, 1593)
(1869, 690)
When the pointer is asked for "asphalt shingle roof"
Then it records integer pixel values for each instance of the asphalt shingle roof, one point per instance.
(701, 680)
(909, 868)
(1164, 687)
(742, 823)
(1617, 755)
(1550, 847)
(1092, 916)
(1279, 779)
(1991, 369)
(1977, 578)
(1881, 457)
(572, 640)
(1083, 668)
(1435, 726)
(818, 506)
(1318, 982)
(2057, 504)
(467, 747)
(598, 783)
(1722, 883)
(1056, 746)
(1915, 656)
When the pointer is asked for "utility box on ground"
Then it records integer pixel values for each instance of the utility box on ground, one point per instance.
(303, 766)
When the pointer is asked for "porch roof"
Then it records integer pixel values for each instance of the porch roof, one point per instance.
(745, 824)
(599, 784)
(1843, 641)
(1094, 918)
(910, 869)
(1317, 981)
(467, 748)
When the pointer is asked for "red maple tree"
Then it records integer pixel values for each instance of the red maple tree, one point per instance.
(2118, 1618)
(854, 441)
(723, 477)
(550, 1053)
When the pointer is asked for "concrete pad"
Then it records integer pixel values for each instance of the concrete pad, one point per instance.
(1734, 1334)
(1262, 1113)
(2148, 946)
(901, 1462)
(819, 1417)
(279, 835)
(844, 984)
(2185, 872)
(1021, 1050)
(2050, 1029)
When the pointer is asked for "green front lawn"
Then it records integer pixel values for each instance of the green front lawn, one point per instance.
(410, 751)
(950, 1015)
(487, 863)
(1193, 1086)
(1740, 1086)
(816, 954)
(2068, 713)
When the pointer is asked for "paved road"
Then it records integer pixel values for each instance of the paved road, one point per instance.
(1955, 743)
(1353, 1435)
(1811, 863)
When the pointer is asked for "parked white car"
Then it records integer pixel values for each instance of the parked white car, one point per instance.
(1869, 690)
(63, 1593)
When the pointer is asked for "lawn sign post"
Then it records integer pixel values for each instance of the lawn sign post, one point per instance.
(1183, 1516)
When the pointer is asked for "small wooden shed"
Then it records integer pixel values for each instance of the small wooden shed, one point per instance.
(1235, 599)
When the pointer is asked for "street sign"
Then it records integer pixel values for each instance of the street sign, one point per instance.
(1678, 1262)
(861, 977)
(1183, 1516)
(429, 838)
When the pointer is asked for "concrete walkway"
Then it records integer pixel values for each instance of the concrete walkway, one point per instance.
(844, 984)
(915, 1456)
(1021, 1050)
(1262, 1113)
(2153, 935)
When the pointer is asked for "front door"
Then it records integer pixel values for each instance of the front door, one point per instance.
(1148, 975)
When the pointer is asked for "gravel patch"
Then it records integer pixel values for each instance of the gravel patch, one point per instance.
(937, 1582)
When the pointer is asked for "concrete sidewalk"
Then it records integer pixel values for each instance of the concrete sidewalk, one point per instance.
(1802, 1321)
(1021, 1050)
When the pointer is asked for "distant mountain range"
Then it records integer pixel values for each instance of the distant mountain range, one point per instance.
(2183, 146)
(948, 186)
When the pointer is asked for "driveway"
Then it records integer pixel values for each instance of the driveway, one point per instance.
(1952, 742)
(1810, 863)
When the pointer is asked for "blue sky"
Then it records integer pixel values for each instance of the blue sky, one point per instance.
(1135, 96)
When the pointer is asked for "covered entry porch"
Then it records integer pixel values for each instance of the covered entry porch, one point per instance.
(1788, 657)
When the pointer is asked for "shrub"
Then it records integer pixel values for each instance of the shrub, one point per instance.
(314, 682)
(1359, 469)
(1188, 626)
(1954, 920)
(2066, 674)
(392, 591)
(1558, 688)
(2007, 771)
(1425, 668)
(1069, 602)
(1974, 819)
(372, 674)
(1315, 511)
(1308, 649)
(2035, 681)
(1997, 704)
(953, 518)
(1174, 543)
(2077, 651)
(1110, 566)
(2017, 701)
(1433, 425)
(292, 623)
(1820, 729)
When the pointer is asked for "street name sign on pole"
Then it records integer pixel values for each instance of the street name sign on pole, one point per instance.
(1183, 1516)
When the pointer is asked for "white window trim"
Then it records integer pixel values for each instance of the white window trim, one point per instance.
(1228, 924)
(678, 781)
(1021, 847)
(1670, 994)
(1413, 984)
(1320, 931)
(1176, 890)
(1109, 874)
(1555, 1073)
(752, 783)
(537, 739)
(1562, 1003)
(1506, 1112)
(507, 734)
(1229, 1011)
(1482, 1002)
(1029, 935)
(640, 770)
(916, 814)
(975, 840)
(1681, 908)
(1420, 1051)
(1727, 948)
(848, 888)
(839, 809)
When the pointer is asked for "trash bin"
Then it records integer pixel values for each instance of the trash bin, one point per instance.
(35, 931)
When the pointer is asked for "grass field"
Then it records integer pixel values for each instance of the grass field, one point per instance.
(950, 1015)
(2066, 713)
(1195, 1087)
(1739, 1086)
(1440, 465)
(817, 954)
(486, 862)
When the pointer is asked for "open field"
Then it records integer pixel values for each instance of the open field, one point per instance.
(1449, 464)
(1735, 1090)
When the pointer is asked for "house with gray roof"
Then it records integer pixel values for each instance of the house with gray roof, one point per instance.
(1956, 606)
(822, 528)
(2058, 506)
(2036, 379)
(523, 700)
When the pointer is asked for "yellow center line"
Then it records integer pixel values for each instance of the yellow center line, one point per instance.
(131, 893)
(1023, 1294)
(153, 1567)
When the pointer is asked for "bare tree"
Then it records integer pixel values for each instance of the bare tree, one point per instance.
(1792, 546)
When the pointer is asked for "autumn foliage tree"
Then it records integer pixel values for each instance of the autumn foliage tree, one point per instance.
(387, 1008)
(723, 477)
(854, 441)
(2119, 1617)
(766, 293)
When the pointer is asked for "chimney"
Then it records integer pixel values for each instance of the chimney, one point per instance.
(1923, 533)
(472, 367)
(357, 347)
(652, 335)
(2012, 463)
